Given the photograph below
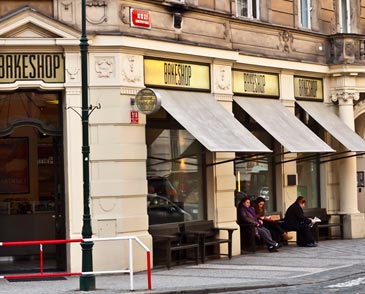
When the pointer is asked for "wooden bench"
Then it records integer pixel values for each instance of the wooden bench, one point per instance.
(209, 237)
(248, 238)
(325, 223)
(169, 239)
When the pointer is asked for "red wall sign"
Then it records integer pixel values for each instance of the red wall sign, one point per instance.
(134, 117)
(140, 18)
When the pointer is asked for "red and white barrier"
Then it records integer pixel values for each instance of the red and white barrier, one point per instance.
(65, 274)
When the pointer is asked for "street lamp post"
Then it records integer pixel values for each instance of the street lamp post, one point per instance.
(87, 282)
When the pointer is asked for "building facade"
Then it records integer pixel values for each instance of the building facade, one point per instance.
(258, 97)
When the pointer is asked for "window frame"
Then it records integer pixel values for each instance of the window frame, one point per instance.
(344, 22)
(250, 9)
(308, 14)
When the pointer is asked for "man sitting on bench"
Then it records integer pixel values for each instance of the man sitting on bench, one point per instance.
(295, 220)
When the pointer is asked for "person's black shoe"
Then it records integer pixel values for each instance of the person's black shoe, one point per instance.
(311, 245)
(272, 248)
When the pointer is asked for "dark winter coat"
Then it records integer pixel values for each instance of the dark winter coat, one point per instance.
(294, 217)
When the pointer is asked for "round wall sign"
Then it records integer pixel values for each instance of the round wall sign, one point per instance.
(148, 101)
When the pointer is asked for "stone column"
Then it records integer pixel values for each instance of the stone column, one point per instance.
(288, 192)
(221, 180)
(353, 221)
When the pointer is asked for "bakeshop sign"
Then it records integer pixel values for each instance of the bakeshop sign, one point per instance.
(148, 101)
(47, 67)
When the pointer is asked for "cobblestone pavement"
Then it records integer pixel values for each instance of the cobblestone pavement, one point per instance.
(329, 266)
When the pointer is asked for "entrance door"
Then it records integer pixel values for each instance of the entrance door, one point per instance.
(32, 201)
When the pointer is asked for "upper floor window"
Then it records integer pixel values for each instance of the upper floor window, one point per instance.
(305, 13)
(344, 15)
(248, 8)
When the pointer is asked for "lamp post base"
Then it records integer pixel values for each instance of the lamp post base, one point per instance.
(87, 283)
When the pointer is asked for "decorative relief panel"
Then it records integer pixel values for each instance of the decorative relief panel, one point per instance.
(104, 66)
(67, 11)
(96, 11)
(222, 80)
(73, 71)
(132, 68)
(285, 41)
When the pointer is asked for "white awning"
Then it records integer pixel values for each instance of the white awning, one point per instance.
(334, 125)
(209, 122)
(280, 123)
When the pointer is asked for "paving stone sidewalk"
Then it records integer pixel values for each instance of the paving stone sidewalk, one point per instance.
(290, 266)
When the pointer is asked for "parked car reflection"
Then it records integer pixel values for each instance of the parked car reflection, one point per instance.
(161, 186)
(162, 210)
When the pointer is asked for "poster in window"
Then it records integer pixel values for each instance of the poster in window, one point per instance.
(14, 176)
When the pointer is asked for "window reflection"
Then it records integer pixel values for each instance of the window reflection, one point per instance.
(254, 179)
(174, 173)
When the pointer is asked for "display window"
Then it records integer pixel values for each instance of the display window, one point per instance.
(175, 176)
(308, 170)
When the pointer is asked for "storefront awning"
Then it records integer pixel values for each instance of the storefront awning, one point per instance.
(209, 122)
(334, 125)
(280, 123)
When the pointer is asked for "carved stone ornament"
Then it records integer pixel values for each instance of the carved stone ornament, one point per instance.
(285, 41)
(96, 11)
(73, 67)
(130, 69)
(67, 10)
(222, 79)
(104, 66)
(124, 14)
(345, 96)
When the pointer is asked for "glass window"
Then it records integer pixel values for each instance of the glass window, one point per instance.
(174, 174)
(305, 13)
(254, 178)
(255, 174)
(37, 107)
(308, 185)
(344, 16)
(248, 8)
(308, 170)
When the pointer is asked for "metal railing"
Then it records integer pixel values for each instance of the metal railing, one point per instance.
(41, 273)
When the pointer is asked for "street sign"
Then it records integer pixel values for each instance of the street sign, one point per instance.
(140, 18)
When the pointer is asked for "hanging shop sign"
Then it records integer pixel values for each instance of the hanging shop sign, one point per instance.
(308, 88)
(176, 74)
(140, 18)
(255, 83)
(148, 101)
(47, 67)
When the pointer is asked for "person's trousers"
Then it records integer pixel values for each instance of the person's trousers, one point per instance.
(266, 236)
(304, 235)
(275, 229)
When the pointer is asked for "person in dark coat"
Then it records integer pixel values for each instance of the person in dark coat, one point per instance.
(246, 215)
(295, 220)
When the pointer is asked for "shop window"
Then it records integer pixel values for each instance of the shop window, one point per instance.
(29, 120)
(304, 10)
(308, 170)
(254, 178)
(344, 16)
(308, 181)
(248, 8)
(175, 176)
